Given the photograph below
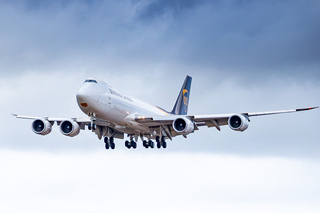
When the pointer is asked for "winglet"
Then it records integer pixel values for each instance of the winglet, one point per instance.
(303, 109)
(181, 106)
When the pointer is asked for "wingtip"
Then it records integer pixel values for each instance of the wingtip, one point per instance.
(314, 107)
(14, 114)
(309, 108)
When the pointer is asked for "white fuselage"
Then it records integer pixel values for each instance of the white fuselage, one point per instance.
(103, 101)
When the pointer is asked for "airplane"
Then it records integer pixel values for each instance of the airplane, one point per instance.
(112, 114)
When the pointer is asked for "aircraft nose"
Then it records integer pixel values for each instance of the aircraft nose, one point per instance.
(83, 97)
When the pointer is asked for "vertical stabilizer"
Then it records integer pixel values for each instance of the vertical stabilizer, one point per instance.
(181, 106)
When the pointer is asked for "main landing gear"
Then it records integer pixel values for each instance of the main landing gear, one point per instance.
(151, 144)
(148, 144)
(161, 143)
(130, 144)
(109, 143)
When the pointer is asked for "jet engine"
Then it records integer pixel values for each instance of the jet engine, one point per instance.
(41, 126)
(183, 126)
(69, 128)
(238, 123)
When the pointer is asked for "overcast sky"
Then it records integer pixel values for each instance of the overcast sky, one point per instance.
(244, 56)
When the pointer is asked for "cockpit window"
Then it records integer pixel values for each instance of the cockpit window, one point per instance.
(90, 81)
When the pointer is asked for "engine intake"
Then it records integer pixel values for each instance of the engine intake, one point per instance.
(183, 126)
(238, 123)
(41, 127)
(69, 128)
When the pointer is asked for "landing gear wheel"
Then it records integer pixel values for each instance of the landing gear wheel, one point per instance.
(107, 145)
(127, 144)
(94, 127)
(106, 140)
(112, 145)
(163, 139)
(89, 126)
(145, 144)
(151, 144)
(157, 139)
(158, 145)
(133, 144)
(164, 144)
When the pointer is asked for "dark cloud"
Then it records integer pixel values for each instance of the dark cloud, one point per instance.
(234, 37)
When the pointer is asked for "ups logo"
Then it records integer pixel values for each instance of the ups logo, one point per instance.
(185, 97)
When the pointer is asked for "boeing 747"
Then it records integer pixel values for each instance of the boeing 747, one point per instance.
(112, 114)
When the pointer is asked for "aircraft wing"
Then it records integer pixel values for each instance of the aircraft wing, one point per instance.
(53, 119)
(212, 120)
(82, 121)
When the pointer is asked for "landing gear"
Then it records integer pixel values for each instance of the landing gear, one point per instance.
(162, 143)
(145, 144)
(109, 143)
(127, 144)
(134, 144)
(151, 144)
(158, 145)
(130, 144)
(148, 144)
(92, 126)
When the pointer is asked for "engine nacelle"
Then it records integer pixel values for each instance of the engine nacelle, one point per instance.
(69, 128)
(41, 127)
(183, 126)
(238, 123)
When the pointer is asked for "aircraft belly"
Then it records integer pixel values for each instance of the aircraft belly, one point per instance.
(117, 112)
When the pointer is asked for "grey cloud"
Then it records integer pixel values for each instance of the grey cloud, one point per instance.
(149, 11)
(243, 38)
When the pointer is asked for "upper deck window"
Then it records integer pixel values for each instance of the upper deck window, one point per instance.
(90, 80)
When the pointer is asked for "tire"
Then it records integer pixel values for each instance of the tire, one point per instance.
(158, 145)
(106, 140)
(144, 143)
(127, 144)
(112, 145)
(164, 145)
(151, 144)
(163, 139)
(134, 144)
(107, 145)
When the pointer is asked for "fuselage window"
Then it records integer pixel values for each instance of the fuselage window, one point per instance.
(90, 80)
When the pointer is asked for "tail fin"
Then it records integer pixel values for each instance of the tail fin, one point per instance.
(181, 106)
